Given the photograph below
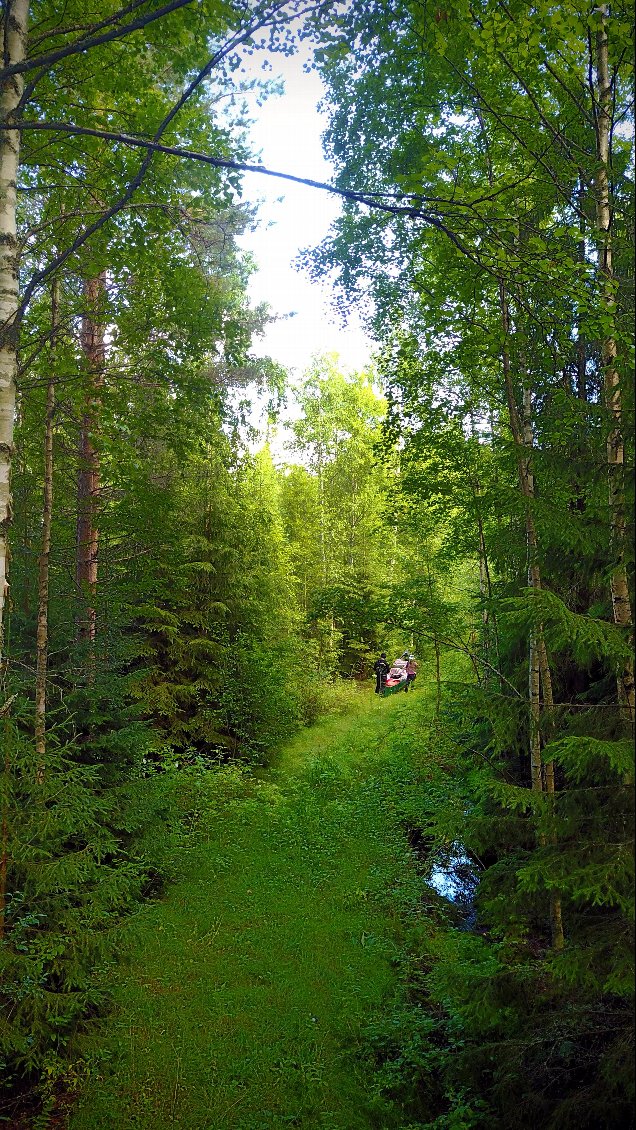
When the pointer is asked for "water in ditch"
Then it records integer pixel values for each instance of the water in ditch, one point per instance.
(451, 872)
(455, 876)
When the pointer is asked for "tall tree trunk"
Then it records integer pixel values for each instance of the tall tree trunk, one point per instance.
(41, 661)
(4, 830)
(537, 644)
(556, 914)
(548, 704)
(621, 603)
(489, 622)
(539, 676)
(14, 34)
(352, 524)
(521, 428)
(321, 515)
(581, 359)
(88, 484)
(14, 29)
(536, 769)
(489, 619)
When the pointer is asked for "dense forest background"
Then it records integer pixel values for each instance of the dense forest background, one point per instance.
(177, 598)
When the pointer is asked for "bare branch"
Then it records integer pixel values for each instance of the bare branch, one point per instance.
(239, 37)
(371, 200)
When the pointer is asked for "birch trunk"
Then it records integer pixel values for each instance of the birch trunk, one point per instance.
(88, 484)
(41, 662)
(15, 40)
(621, 603)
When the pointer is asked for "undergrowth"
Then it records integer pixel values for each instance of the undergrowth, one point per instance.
(259, 991)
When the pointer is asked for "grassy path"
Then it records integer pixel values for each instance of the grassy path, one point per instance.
(249, 984)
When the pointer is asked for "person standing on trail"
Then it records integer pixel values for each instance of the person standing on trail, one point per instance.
(381, 669)
(411, 672)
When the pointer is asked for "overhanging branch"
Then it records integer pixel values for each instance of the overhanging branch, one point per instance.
(370, 200)
(259, 20)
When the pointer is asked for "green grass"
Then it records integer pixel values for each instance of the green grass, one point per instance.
(247, 988)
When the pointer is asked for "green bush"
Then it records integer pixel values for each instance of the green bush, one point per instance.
(87, 835)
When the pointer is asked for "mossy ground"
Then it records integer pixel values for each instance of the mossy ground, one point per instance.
(247, 987)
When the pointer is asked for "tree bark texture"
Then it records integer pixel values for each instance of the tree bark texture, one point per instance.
(489, 623)
(88, 480)
(41, 661)
(621, 603)
(541, 778)
(536, 774)
(15, 39)
(581, 358)
(4, 837)
(489, 619)
(522, 434)
(539, 675)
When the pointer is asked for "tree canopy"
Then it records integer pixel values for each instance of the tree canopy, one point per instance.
(177, 596)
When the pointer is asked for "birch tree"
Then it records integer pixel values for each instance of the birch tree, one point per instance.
(14, 37)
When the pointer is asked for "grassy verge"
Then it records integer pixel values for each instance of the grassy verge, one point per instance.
(247, 988)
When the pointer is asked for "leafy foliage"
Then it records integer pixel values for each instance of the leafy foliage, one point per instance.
(478, 513)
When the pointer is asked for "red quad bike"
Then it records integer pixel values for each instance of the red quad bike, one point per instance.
(392, 686)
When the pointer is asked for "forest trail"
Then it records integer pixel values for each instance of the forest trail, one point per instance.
(250, 984)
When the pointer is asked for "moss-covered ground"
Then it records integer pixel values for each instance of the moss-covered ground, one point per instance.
(247, 988)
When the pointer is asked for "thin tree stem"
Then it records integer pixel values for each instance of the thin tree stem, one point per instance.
(41, 662)
(619, 587)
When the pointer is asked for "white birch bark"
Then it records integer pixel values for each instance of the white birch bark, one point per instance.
(15, 38)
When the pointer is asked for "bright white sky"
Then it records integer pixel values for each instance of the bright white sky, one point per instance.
(287, 131)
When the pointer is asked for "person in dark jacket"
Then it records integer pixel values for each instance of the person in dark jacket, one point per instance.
(381, 668)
